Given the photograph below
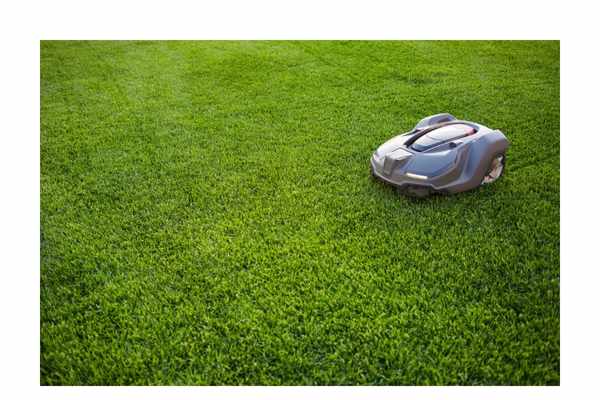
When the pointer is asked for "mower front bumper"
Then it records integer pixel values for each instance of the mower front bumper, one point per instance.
(410, 183)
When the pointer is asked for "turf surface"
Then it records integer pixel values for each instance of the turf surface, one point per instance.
(207, 216)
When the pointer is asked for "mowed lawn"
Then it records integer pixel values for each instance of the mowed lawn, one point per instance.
(207, 216)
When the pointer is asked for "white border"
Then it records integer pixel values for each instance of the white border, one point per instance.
(307, 19)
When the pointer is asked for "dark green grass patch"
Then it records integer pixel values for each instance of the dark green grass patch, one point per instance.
(207, 216)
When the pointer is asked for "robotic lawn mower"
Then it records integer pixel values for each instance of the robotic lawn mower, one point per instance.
(441, 155)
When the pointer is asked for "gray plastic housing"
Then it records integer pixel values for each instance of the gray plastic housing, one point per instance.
(453, 165)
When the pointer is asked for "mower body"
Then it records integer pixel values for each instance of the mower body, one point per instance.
(441, 154)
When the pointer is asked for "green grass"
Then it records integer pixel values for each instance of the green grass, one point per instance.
(207, 216)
